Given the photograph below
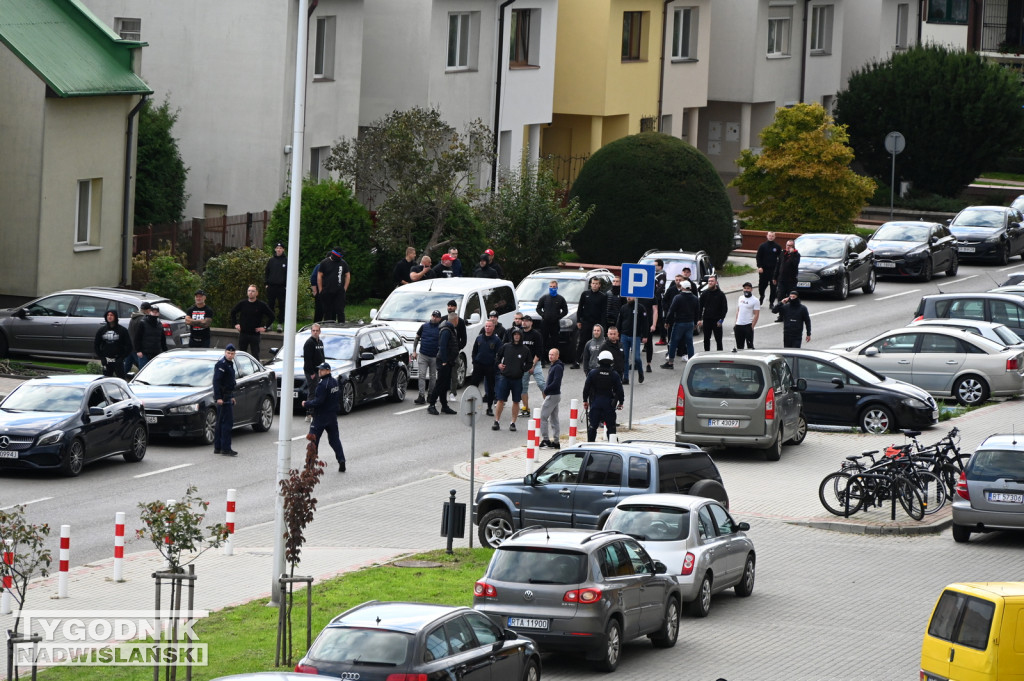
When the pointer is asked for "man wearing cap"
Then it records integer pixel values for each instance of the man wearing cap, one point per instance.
(443, 270)
(534, 342)
(602, 396)
(275, 277)
(333, 280)
(224, 395)
(149, 339)
(199, 317)
(447, 358)
(682, 316)
(485, 362)
(312, 358)
(484, 269)
(551, 309)
(748, 309)
(112, 345)
(499, 329)
(462, 333)
(247, 316)
(324, 403)
(494, 266)
(794, 317)
(400, 274)
(424, 352)
(513, 359)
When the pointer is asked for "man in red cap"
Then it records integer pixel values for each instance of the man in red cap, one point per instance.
(494, 266)
(443, 270)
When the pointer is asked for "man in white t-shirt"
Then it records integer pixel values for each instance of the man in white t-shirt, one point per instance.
(748, 309)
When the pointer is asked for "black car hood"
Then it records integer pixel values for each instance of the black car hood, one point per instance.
(160, 395)
(884, 248)
(33, 422)
(968, 232)
(907, 389)
(816, 264)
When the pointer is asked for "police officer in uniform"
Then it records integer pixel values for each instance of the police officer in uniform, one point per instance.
(223, 393)
(601, 391)
(324, 404)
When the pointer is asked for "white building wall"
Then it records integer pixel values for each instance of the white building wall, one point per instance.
(463, 95)
(950, 35)
(685, 88)
(824, 76)
(870, 31)
(395, 64)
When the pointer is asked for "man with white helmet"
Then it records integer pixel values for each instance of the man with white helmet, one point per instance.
(602, 396)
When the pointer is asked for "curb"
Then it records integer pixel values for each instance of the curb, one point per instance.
(862, 528)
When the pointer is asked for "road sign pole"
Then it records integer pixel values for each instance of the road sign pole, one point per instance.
(472, 466)
(632, 347)
(637, 283)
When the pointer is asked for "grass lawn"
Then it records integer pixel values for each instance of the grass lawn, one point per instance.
(242, 639)
(730, 269)
(1002, 176)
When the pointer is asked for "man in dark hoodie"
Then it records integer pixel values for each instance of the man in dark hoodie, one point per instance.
(275, 276)
(682, 318)
(112, 346)
(149, 340)
(447, 357)
(630, 343)
(615, 301)
(513, 360)
(786, 272)
(485, 362)
(713, 308)
(592, 348)
(552, 397)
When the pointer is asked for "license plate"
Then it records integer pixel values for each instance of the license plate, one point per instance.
(885, 264)
(965, 249)
(723, 423)
(295, 394)
(527, 623)
(1006, 497)
(803, 284)
(8, 454)
(151, 419)
(185, 339)
(935, 414)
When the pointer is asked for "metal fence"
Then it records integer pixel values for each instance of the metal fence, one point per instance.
(203, 238)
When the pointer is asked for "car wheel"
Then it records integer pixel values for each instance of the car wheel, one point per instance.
(74, 459)
(140, 440)
(532, 671)
(774, 453)
(746, 584)
(209, 426)
(495, 527)
(400, 386)
(1003, 256)
(701, 606)
(970, 390)
(926, 271)
(801, 431)
(869, 287)
(876, 420)
(460, 372)
(348, 398)
(710, 489)
(668, 634)
(264, 415)
(613, 647)
(961, 535)
(954, 265)
(843, 292)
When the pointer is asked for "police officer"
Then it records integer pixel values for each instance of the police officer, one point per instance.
(325, 403)
(603, 388)
(223, 393)
(794, 317)
(112, 346)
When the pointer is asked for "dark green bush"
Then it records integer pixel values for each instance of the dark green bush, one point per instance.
(227, 277)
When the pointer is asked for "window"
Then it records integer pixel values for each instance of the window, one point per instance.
(632, 36)
(684, 33)
(562, 468)
(647, 124)
(486, 632)
(87, 216)
(935, 343)
(947, 11)
(705, 526)
(472, 307)
(639, 472)
(722, 519)
(821, 29)
(128, 29)
(638, 557)
(902, 17)
(501, 300)
(780, 20)
(902, 343)
(603, 469)
(460, 40)
(1006, 313)
(524, 38)
(89, 306)
(323, 57)
(436, 645)
(317, 157)
(615, 561)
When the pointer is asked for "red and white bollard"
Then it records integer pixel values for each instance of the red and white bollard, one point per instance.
(531, 447)
(167, 537)
(229, 521)
(574, 415)
(119, 546)
(5, 600)
(65, 560)
(535, 427)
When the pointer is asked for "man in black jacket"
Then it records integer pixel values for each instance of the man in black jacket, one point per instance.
(400, 275)
(224, 395)
(630, 343)
(602, 396)
(788, 269)
(767, 263)
(794, 317)
(275, 276)
(324, 403)
(513, 360)
(332, 282)
(590, 311)
(615, 301)
(312, 358)
(447, 357)
(247, 317)
(485, 362)
(682, 317)
(149, 340)
(198, 318)
(484, 269)
(713, 308)
(112, 346)
(551, 308)
(613, 344)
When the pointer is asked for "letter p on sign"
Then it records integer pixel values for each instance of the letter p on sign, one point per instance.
(637, 280)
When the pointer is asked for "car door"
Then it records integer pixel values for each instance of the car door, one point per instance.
(938, 359)
(942, 244)
(735, 547)
(958, 636)
(860, 259)
(713, 546)
(624, 584)
(1015, 231)
(895, 356)
(787, 399)
(125, 416)
(84, 319)
(100, 431)
(549, 500)
(364, 375)
(825, 402)
(469, 659)
(598, 490)
(508, 658)
(384, 363)
(245, 389)
(42, 327)
(653, 587)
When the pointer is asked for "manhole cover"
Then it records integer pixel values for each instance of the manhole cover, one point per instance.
(417, 564)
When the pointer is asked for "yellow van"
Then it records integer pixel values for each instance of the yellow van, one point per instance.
(976, 633)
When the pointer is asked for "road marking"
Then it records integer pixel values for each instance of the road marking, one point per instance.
(163, 470)
(409, 411)
(957, 281)
(896, 295)
(832, 309)
(1011, 267)
(26, 503)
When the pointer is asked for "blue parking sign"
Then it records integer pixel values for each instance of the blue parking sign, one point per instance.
(637, 281)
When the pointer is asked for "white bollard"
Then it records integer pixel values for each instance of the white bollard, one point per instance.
(535, 429)
(167, 538)
(119, 546)
(229, 520)
(5, 600)
(65, 560)
(531, 451)
(574, 415)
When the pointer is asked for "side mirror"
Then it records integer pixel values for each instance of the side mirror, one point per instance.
(474, 318)
(510, 635)
(935, 240)
(95, 411)
(837, 382)
(871, 352)
(274, 351)
(801, 384)
(529, 480)
(373, 313)
(743, 527)
(660, 568)
(366, 355)
(949, 221)
(21, 312)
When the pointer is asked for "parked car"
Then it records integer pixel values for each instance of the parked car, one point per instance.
(990, 493)
(177, 388)
(579, 486)
(1009, 289)
(998, 308)
(740, 400)
(834, 264)
(696, 538)
(64, 422)
(945, 362)
(65, 323)
(998, 333)
(376, 641)
(409, 306)
(988, 232)
(580, 591)
(273, 676)
(914, 249)
(841, 392)
(699, 263)
(370, 361)
(571, 285)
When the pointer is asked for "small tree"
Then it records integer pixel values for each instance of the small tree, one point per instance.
(227, 277)
(176, 528)
(802, 181)
(26, 544)
(160, 174)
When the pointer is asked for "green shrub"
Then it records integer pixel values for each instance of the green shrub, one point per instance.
(169, 278)
(227, 277)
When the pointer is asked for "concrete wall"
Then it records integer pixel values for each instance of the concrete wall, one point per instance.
(686, 81)
(395, 68)
(951, 35)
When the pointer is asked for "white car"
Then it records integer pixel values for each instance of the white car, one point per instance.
(999, 333)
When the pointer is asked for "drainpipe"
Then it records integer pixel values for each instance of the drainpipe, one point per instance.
(920, 20)
(804, 50)
(497, 91)
(126, 214)
(661, 74)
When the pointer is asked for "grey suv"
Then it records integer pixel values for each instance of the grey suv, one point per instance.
(990, 493)
(579, 591)
(571, 285)
(580, 485)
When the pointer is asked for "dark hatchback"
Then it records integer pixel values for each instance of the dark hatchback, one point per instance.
(841, 392)
(64, 422)
(370, 361)
(991, 232)
(177, 389)
(379, 641)
(834, 264)
(914, 249)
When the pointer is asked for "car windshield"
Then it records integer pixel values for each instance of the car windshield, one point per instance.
(979, 217)
(820, 248)
(415, 306)
(335, 347)
(51, 398)
(532, 289)
(989, 465)
(673, 267)
(169, 310)
(178, 371)
(901, 232)
(650, 523)
(1007, 336)
(861, 373)
(537, 565)
(356, 646)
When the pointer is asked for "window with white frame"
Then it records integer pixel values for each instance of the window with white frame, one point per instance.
(323, 54)
(87, 213)
(317, 157)
(780, 26)
(634, 40)
(821, 29)
(461, 40)
(524, 38)
(902, 17)
(684, 33)
(128, 29)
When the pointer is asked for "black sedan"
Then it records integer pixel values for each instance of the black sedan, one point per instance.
(64, 422)
(177, 389)
(370, 361)
(989, 232)
(377, 641)
(914, 249)
(834, 264)
(841, 392)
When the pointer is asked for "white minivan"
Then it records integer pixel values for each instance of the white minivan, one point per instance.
(410, 306)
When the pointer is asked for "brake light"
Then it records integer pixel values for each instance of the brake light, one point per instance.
(769, 405)
(961, 486)
(584, 596)
(1013, 364)
(484, 590)
(918, 317)
(688, 562)
(305, 669)
(406, 677)
(680, 401)
(167, 329)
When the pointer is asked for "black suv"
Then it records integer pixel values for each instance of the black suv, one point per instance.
(580, 485)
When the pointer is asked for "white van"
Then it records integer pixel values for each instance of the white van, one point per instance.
(409, 306)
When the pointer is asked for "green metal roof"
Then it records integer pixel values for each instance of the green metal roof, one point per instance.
(69, 48)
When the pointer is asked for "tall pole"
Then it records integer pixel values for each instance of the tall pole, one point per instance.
(892, 184)
(284, 425)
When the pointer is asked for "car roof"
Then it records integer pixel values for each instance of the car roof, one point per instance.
(394, 616)
(649, 447)
(197, 353)
(111, 292)
(1004, 589)
(983, 295)
(560, 537)
(686, 501)
(724, 357)
(663, 254)
(956, 322)
(343, 328)
(68, 379)
(1002, 208)
(908, 223)
(1012, 289)
(795, 352)
(943, 331)
(1003, 440)
(453, 284)
(569, 272)
(825, 236)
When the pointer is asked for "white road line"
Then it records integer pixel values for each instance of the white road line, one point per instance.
(1011, 267)
(409, 411)
(26, 503)
(163, 470)
(896, 295)
(832, 309)
(957, 281)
